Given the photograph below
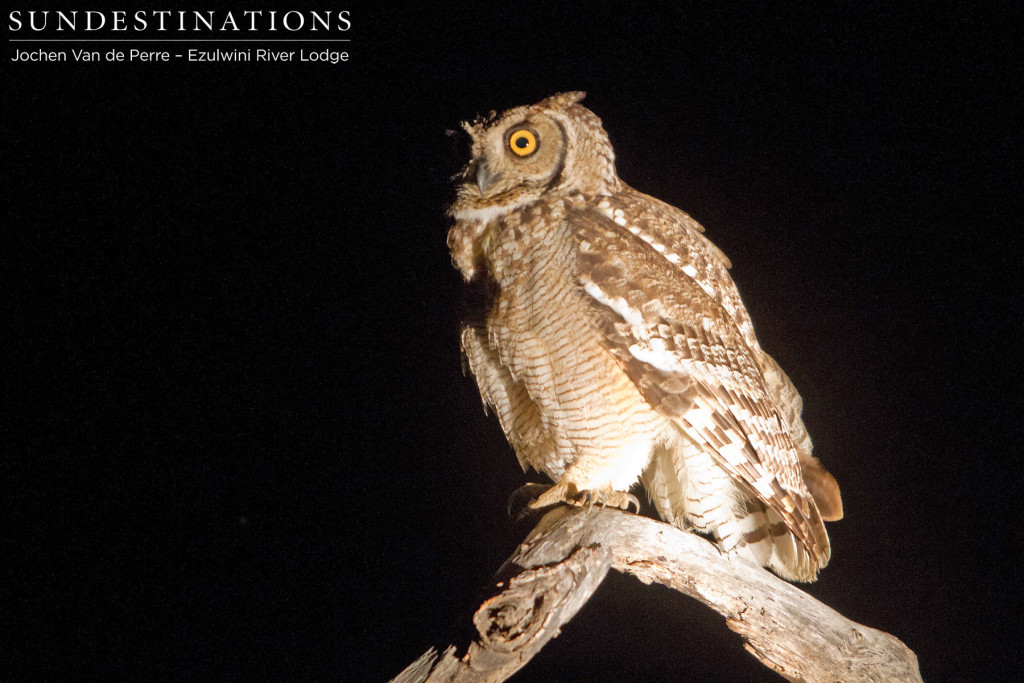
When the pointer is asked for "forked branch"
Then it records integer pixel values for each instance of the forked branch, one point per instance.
(567, 555)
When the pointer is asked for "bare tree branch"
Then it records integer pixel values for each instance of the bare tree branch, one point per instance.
(564, 559)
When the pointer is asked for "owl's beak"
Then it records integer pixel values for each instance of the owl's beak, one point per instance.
(484, 177)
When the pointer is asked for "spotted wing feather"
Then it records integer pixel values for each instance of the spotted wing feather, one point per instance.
(691, 357)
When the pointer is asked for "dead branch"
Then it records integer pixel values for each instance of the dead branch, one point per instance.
(564, 559)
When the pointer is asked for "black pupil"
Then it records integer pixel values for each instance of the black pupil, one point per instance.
(522, 142)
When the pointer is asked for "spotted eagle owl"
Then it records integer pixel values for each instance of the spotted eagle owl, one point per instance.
(616, 347)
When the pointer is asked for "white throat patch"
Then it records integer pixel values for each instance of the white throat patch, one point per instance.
(487, 213)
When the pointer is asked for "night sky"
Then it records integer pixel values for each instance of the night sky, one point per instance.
(239, 444)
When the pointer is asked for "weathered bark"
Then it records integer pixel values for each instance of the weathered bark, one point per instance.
(563, 560)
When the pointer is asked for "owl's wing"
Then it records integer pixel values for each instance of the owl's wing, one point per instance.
(673, 335)
(820, 482)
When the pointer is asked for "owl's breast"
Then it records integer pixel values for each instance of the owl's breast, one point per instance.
(541, 329)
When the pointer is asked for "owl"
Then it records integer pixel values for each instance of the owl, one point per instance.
(615, 349)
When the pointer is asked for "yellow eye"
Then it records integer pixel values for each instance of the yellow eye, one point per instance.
(522, 142)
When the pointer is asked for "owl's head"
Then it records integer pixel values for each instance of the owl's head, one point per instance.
(526, 153)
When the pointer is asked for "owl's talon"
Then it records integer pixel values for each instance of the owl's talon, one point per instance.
(521, 502)
(622, 500)
(634, 501)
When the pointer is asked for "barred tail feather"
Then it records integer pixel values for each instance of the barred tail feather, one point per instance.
(769, 542)
(690, 491)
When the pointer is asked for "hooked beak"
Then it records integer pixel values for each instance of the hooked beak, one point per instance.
(484, 177)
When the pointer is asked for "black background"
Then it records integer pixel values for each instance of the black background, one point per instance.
(238, 441)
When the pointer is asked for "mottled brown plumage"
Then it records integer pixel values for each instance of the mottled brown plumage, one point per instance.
(617, 348)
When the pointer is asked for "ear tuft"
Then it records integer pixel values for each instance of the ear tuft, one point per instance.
(565, 99)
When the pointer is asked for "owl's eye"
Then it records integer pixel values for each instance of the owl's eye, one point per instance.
(522, 142)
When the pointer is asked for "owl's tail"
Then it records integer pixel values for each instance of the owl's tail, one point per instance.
(690, 491)
(765, 538)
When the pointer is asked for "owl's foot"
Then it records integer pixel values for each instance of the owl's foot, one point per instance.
(565, 492)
